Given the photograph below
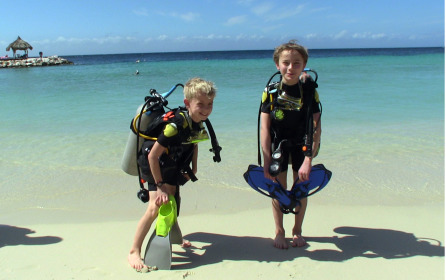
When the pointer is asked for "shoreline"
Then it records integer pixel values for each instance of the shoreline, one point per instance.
(34, 62)
(87, 236)
(385, 243)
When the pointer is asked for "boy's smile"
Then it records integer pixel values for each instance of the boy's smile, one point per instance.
(199, 107)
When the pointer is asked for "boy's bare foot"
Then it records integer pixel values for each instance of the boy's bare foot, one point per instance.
(280, 241)
(186, 244)
(298, 241)
(135, 261)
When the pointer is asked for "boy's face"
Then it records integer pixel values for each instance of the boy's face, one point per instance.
(199, 107)
(291, 64)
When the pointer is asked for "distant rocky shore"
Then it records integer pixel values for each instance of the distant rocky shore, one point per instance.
(34, 61)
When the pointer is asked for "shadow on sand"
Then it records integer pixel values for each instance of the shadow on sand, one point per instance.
(351, 242)
(13, 236)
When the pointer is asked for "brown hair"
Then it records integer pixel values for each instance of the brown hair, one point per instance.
(291, 45)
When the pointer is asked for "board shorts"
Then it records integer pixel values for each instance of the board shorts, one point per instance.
(291, 155)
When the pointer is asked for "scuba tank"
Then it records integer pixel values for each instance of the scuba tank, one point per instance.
(128, 163)
(146, 112)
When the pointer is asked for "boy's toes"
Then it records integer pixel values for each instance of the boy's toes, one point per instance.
(298, 241)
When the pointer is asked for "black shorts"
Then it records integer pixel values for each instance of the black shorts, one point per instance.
(291, 155)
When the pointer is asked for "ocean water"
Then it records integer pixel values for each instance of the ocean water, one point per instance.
(64, 129)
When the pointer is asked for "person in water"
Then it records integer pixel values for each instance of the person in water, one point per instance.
(289, 123)
(165, 157)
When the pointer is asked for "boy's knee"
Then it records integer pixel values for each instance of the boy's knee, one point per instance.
(152, 210)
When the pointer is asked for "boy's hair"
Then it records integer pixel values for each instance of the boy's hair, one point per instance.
(291, 45)
(197, 85)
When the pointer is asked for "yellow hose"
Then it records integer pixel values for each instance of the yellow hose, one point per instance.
(139, 133)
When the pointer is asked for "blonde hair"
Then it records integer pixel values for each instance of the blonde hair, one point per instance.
(196, 86)
(291, 45)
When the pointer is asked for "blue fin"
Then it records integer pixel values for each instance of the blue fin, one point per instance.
(319, 178)
(255, 178)
(288, 200)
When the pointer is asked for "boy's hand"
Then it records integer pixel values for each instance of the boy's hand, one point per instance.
(304, 170)
(266, 164)
(161, 196)
(307, 81)
(303, 77)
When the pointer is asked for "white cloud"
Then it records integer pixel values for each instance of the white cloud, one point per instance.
(129, 38)
(189, 16)
(61, 39)
(183, 16)
(378, 36)
(360, 35)
(236, 20)
(262, 9)
(256, 37)
(98, 40)
(141, 12)
(368, 35)
(181, 38)
(340, 35)
(42, 42)
(248, 37)
(291, 12)
(311, 36)
(106, 40)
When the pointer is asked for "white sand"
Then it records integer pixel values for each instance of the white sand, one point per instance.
(345, 241)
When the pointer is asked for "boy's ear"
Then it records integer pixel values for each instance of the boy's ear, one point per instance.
(186, 102)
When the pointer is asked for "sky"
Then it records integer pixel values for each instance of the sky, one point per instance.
(79, 27)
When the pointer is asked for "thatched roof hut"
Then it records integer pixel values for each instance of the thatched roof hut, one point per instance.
(19, 44)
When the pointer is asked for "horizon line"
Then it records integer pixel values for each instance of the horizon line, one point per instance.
(239, 50)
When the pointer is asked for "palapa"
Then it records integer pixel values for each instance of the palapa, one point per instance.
(19, 44)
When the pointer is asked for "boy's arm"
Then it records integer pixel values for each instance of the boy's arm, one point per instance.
(153, 157)
(195, 159)
(317, 133)
(305, 169)
(265, 141)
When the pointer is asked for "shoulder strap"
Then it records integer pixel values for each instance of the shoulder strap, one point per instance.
(309, 88)
(214, 142)
(215, 149)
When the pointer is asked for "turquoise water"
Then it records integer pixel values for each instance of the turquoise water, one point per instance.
(383, 120)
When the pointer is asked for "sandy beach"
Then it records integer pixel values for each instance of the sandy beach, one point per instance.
(231, 239)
